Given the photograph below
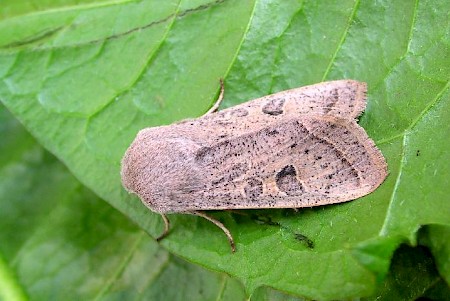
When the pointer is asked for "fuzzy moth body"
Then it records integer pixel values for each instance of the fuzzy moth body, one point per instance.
(292, 149)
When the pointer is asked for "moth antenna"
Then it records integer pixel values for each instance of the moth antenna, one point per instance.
(218, 101)
(218, 224)
(166, 227)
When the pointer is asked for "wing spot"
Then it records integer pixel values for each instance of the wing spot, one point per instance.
(286, 180)
(274, 106)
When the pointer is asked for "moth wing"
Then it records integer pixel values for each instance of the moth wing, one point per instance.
(341, 98)
(297, 162)
(355, 167)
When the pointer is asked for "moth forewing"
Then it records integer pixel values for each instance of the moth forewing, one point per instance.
(296, 148)
(342, 98)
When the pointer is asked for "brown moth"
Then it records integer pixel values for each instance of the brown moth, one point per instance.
(292, 149)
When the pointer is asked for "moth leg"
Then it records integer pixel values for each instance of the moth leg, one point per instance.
(234, 211)
(220, 225)
(218, 101)
(166, 227)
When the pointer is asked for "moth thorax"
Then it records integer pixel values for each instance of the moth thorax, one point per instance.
(157, 169)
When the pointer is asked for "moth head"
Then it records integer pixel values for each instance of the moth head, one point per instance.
(156, 168)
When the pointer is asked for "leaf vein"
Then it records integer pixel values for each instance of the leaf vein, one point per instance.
(278, 49)
(121, 267)
(244, 34)
(391, 69)
(141, 72)
(383, 231)
(430, 105)
(342, 40)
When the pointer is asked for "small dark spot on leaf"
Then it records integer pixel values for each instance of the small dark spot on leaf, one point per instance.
(305, 239)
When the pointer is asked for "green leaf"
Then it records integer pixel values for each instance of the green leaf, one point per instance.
(61, 242)
(84, 78)
(88, 250)
(412, 275)
(437, 239)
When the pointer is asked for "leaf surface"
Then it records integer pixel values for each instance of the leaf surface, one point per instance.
(84, 78)
(61, 242)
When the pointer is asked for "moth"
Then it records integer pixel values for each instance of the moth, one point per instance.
(292, 149)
